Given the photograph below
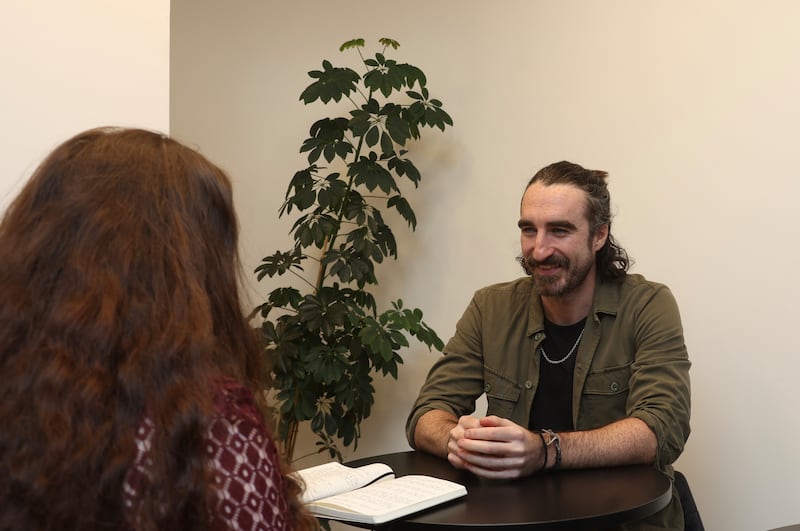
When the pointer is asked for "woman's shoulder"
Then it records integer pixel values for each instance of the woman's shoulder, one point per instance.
(245, 463)
(233, 400)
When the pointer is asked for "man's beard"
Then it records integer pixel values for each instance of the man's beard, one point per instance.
(554, 286)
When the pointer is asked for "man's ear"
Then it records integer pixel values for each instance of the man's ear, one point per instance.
(600, 236)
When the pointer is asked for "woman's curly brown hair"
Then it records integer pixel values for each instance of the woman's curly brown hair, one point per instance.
(119, 290)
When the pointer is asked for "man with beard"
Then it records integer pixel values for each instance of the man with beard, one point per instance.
(582, 363)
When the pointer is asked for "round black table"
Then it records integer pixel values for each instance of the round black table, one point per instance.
(563, 499)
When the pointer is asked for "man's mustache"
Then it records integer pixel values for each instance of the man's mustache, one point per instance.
(529, 264)
(552, 260)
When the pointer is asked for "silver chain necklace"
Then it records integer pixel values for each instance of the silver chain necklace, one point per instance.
(565, 358)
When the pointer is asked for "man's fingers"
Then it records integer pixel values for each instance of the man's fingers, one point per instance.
(456, 461)
(491, 467)
(493, 447)
(495, 421)
(468, 421)
(501, 434)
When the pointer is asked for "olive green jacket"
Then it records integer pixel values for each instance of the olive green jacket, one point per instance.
(631, 362)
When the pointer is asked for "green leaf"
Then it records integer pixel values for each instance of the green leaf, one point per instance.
(398, 128)
(330, 365)
(386, 42)
(326, 200)
(371, 138)
(317, 422)
(368, 172)
(415, 112)
(279, 263)
(333, 193)
(348, 265)
(357, 237)
(404, 167)
(436, 117)
(386, 78)
(387, 146)
(355, 207)
(327, 138)
(352, 43)
(332, 84)
(348, 433)
(302, 179)
(360, 122)
(304, 410)
(404, 209)
(377, 338)
(331, 426)
(394, 79)
(428, 336)
(415, 75)
(304, 235)
(300, 193)
(362, 270)
(283, 297)
(310, 312)
(384, 237)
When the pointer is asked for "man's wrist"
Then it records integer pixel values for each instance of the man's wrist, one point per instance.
(544, 450)
(447, 427)
(552, 439)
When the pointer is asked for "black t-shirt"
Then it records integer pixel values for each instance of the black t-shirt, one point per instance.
(552, 403)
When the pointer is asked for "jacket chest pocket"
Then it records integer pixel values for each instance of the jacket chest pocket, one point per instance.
(605, 396)
(502, 394)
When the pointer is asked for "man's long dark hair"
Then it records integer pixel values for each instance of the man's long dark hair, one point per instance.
(119, 294)
(612, 260)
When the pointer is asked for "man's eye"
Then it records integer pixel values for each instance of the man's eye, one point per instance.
(528, 231)
(560, 232)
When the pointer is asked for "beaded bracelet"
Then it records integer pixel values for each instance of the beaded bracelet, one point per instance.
(544, 447)
(554, 438)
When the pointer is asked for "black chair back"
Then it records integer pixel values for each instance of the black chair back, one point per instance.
(691, 516)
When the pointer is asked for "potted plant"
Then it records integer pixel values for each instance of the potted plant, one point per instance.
(325, 341)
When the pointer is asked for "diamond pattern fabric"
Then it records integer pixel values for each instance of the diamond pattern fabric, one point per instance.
(248, 494)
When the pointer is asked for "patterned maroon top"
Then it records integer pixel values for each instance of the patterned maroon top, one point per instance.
(244, 463)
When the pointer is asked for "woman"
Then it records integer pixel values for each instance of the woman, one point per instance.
(129, 377)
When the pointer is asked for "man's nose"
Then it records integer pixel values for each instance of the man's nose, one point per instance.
(542, 248)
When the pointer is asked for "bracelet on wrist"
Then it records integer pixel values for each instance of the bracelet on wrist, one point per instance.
(555, 440)
(544, 450)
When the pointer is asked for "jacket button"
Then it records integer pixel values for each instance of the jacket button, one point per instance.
(487, 387)
(528, 384)
(614, 387)
(537, 336)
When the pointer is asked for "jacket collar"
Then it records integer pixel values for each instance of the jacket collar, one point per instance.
(606, 301)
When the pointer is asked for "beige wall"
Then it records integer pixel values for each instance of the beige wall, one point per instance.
(69, 66)
(693, 108)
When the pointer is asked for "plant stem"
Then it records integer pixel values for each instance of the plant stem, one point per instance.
(339, 215)
(291, 439)
(321, 271)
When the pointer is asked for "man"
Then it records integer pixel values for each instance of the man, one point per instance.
(582, 363)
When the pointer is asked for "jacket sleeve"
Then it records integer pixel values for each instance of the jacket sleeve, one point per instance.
(455, 380)
(660, 393)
